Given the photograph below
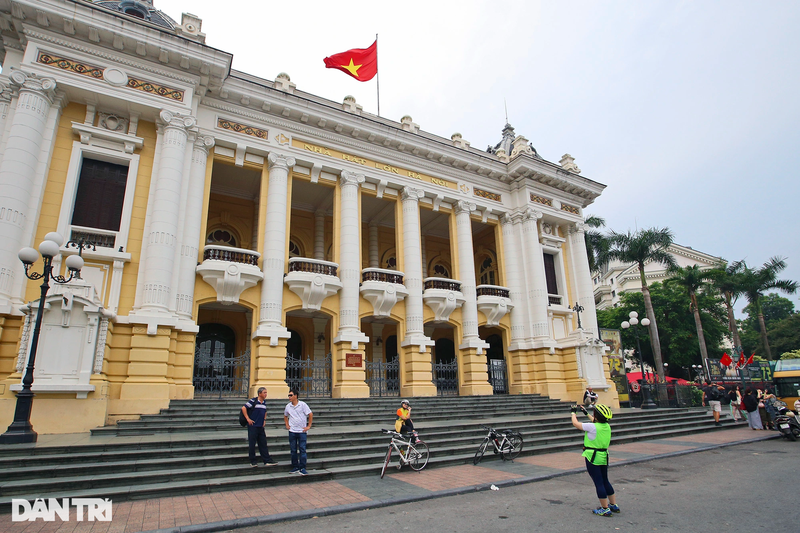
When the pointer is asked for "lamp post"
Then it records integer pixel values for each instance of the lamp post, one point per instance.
(633, 320)
(21, 430)
(698, 369)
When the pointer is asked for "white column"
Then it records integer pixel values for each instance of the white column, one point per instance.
(319, 235)
(275, 234)
(162, 236)
(583, 277)
(374, 253)
(192, 225)
(5, 110)
(424, 252)
(18, 173)
(350, 260)
(466, 275)
(536, 282)
(412, 267)
(513, 271)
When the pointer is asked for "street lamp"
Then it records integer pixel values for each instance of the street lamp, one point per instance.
(633, 320)
(21, 430)
(698, 369)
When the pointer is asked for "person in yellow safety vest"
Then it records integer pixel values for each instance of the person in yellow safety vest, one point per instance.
(596, 440)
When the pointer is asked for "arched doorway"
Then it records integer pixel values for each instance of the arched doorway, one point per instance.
(445, 367)
(310, 377)
(496, 362)
(218, 371)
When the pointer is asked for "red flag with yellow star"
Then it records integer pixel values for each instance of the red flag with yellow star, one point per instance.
(360, 63)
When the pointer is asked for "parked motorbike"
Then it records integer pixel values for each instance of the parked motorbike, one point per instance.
(788, 423)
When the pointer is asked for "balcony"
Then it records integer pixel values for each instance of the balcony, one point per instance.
(230, 271)
(443, 296)
(554, 299)
(312, 280)
(383, 289)
(494, 302)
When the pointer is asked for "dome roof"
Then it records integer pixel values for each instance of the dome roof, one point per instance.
(140, 9)
(507, 143)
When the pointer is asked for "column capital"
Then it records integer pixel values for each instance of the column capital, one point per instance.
(177, 120)
(281, 161)
(578, 227)
(204, 142)
(45, 87)
(463, 206)
(410, 193)
(532, 214)
(351, 178)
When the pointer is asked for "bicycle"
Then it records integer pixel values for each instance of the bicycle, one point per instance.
(413, 454)
(506, 442)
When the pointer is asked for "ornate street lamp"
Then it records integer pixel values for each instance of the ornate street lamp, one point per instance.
(21, 430)
(578, 310)
(633, 320)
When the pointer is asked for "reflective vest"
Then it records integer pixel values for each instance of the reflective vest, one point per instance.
(596, 451)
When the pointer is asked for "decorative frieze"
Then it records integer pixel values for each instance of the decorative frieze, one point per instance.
(570, 209)
(540, 200)
(97, 73)
(486, 194)
(226, 124)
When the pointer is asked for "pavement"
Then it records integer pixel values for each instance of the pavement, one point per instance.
(221, 511)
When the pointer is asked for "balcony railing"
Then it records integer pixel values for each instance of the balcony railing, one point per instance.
(493, 290)
(100, 238)
(553, 299)
(380, 274)
(232, 255)
(314, 266)
(442, 283)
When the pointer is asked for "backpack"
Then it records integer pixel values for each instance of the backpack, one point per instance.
(242, 418)
(714, 393)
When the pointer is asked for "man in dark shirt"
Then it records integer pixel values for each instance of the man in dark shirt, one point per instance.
(255, 411)
(712, 394)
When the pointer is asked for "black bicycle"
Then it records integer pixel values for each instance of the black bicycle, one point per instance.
(506, 442)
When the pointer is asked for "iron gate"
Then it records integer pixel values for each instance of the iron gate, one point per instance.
(445, 377)
(311, 377)
(383, 378)
(497, 376)
(216, 374)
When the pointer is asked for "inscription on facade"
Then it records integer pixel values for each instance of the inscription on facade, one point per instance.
(372, 164)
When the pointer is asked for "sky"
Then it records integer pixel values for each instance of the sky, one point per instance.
(687, 110)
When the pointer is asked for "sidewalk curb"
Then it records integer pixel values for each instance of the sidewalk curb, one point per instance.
(375, 504)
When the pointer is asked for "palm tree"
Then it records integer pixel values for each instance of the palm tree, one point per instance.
(755, 282)
(641, 247)
(596, 242)
(692, 279)
(728, 281)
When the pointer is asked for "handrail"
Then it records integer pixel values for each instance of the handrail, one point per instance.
(493, 290)
(442, 283)
(382, 274)
(214, 252)
(314, 266)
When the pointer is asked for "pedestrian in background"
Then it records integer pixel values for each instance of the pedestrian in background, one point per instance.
(298, 418)
(596, 440)
(255, 412)
(751, 405)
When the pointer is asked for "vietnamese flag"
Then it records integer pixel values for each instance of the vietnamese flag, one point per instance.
(726, 359)
(741, 362)
(750, 359)
(360, 63)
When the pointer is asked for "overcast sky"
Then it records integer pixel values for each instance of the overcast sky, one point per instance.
(688, 111)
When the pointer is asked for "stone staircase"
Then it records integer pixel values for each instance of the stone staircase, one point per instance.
(197, 446)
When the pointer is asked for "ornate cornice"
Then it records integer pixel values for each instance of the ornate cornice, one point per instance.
(225, 124)
(110, 57)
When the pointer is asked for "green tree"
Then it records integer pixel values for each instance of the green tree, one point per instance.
(795, 354)
(783, 325)
(727, 279)
(641, 247)
(756, 282)
(677, 328)
(785, 334)
(693, 280)
(596, 242)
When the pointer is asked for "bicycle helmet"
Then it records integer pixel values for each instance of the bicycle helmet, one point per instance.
(405, 402)
(603, 410)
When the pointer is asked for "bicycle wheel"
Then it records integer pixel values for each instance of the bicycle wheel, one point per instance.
(386, 461)
(481, 451)
(418, 455)
(512, 447)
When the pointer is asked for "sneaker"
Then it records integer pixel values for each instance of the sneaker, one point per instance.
(614, 508)
(294, 470)
(270, 463)
(302, 472)
(602, 512)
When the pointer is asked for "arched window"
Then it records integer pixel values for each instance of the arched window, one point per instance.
(222, 237)
(488, 271)
(294, 249)
(391, 263)
(441, 271)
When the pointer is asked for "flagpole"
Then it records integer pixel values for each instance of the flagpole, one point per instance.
(378, 84)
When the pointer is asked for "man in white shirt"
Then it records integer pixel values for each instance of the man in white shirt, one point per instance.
(297, 417)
